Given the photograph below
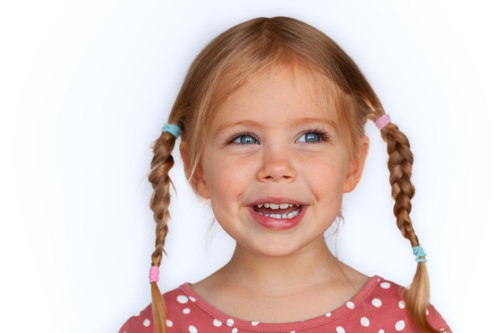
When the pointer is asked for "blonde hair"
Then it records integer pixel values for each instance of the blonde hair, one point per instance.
(239, 54)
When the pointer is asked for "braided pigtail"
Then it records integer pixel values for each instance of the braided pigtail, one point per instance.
(160, 166)
(400, 167)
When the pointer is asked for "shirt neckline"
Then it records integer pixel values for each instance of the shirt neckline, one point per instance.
(221, 318)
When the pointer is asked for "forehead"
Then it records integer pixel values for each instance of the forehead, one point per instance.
(275, 98)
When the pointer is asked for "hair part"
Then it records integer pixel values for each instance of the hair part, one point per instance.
(258, 47)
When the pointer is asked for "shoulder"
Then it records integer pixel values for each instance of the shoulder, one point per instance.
(143, 321)
(388, 296)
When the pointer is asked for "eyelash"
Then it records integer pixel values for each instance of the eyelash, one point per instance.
(322, 134)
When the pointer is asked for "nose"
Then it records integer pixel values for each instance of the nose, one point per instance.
(277, 165)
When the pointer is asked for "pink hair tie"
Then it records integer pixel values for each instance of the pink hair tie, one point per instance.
(153, 274)
(382, 121)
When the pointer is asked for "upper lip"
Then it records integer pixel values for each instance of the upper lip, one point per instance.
(276, 200)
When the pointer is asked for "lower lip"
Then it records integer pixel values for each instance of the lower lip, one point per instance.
(277, 224)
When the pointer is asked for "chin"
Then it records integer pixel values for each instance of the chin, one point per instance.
(275, 249)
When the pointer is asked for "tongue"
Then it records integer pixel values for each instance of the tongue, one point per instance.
(264, 210)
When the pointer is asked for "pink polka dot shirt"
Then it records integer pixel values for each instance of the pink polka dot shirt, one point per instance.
(376, 308)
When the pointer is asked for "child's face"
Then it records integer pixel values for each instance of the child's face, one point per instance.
(275, 162)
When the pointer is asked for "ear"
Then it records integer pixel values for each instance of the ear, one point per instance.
(198, 182)
(355, 167)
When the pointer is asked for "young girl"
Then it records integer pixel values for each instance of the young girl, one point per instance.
(271, 119)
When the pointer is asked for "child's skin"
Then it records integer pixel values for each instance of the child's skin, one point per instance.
(277, 276)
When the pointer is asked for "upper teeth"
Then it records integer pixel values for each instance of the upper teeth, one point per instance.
(275, 206)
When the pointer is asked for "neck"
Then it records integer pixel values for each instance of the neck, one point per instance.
(312, 265)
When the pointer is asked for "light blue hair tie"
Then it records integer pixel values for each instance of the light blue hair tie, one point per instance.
(418, 251)
(171, 128)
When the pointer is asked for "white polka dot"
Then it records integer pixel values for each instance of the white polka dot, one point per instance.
(182, 299)
(146, 322)
(365, 322)
(328, 314)
(350, 305)
(255, 323)
(235, 330)
(292, 332)
(381, 331)
(385, 285)
(169, 323)
(192, 299)
(426, 312)
(402, 304)
(340, 329)
(192, 329)
(378, 280)
(217, 323)
(376, 302)
(186, 310)
(230, 322)
(400, 325)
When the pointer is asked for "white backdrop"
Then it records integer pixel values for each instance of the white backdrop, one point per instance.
(86, 86)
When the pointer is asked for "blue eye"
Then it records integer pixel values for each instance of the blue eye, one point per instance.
(310, 137)
(244, 139)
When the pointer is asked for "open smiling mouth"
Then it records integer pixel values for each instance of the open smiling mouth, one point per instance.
(278, 211)
(278, 216)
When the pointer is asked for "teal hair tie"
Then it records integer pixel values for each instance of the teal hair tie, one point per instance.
(418, 251)
(172, 129)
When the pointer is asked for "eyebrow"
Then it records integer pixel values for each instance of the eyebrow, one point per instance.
(295, 122)
(329, 122)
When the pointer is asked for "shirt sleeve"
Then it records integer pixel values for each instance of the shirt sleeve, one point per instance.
(125, 327)
(436, 320)
(141, 323)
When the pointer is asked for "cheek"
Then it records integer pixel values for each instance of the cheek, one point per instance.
(227, 180)
(325, 177)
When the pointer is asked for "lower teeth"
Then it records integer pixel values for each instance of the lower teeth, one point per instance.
(283, 216)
